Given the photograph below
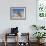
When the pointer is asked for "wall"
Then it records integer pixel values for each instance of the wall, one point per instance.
(24, 25)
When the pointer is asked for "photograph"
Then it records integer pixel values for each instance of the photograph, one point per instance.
(17, 13)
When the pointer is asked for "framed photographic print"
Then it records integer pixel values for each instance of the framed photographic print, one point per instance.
(17, 13)
(41, 12)
(41, 8)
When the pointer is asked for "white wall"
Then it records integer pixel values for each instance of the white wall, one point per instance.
(24, 25)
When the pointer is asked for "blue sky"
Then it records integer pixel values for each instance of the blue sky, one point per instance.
(18, 10)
